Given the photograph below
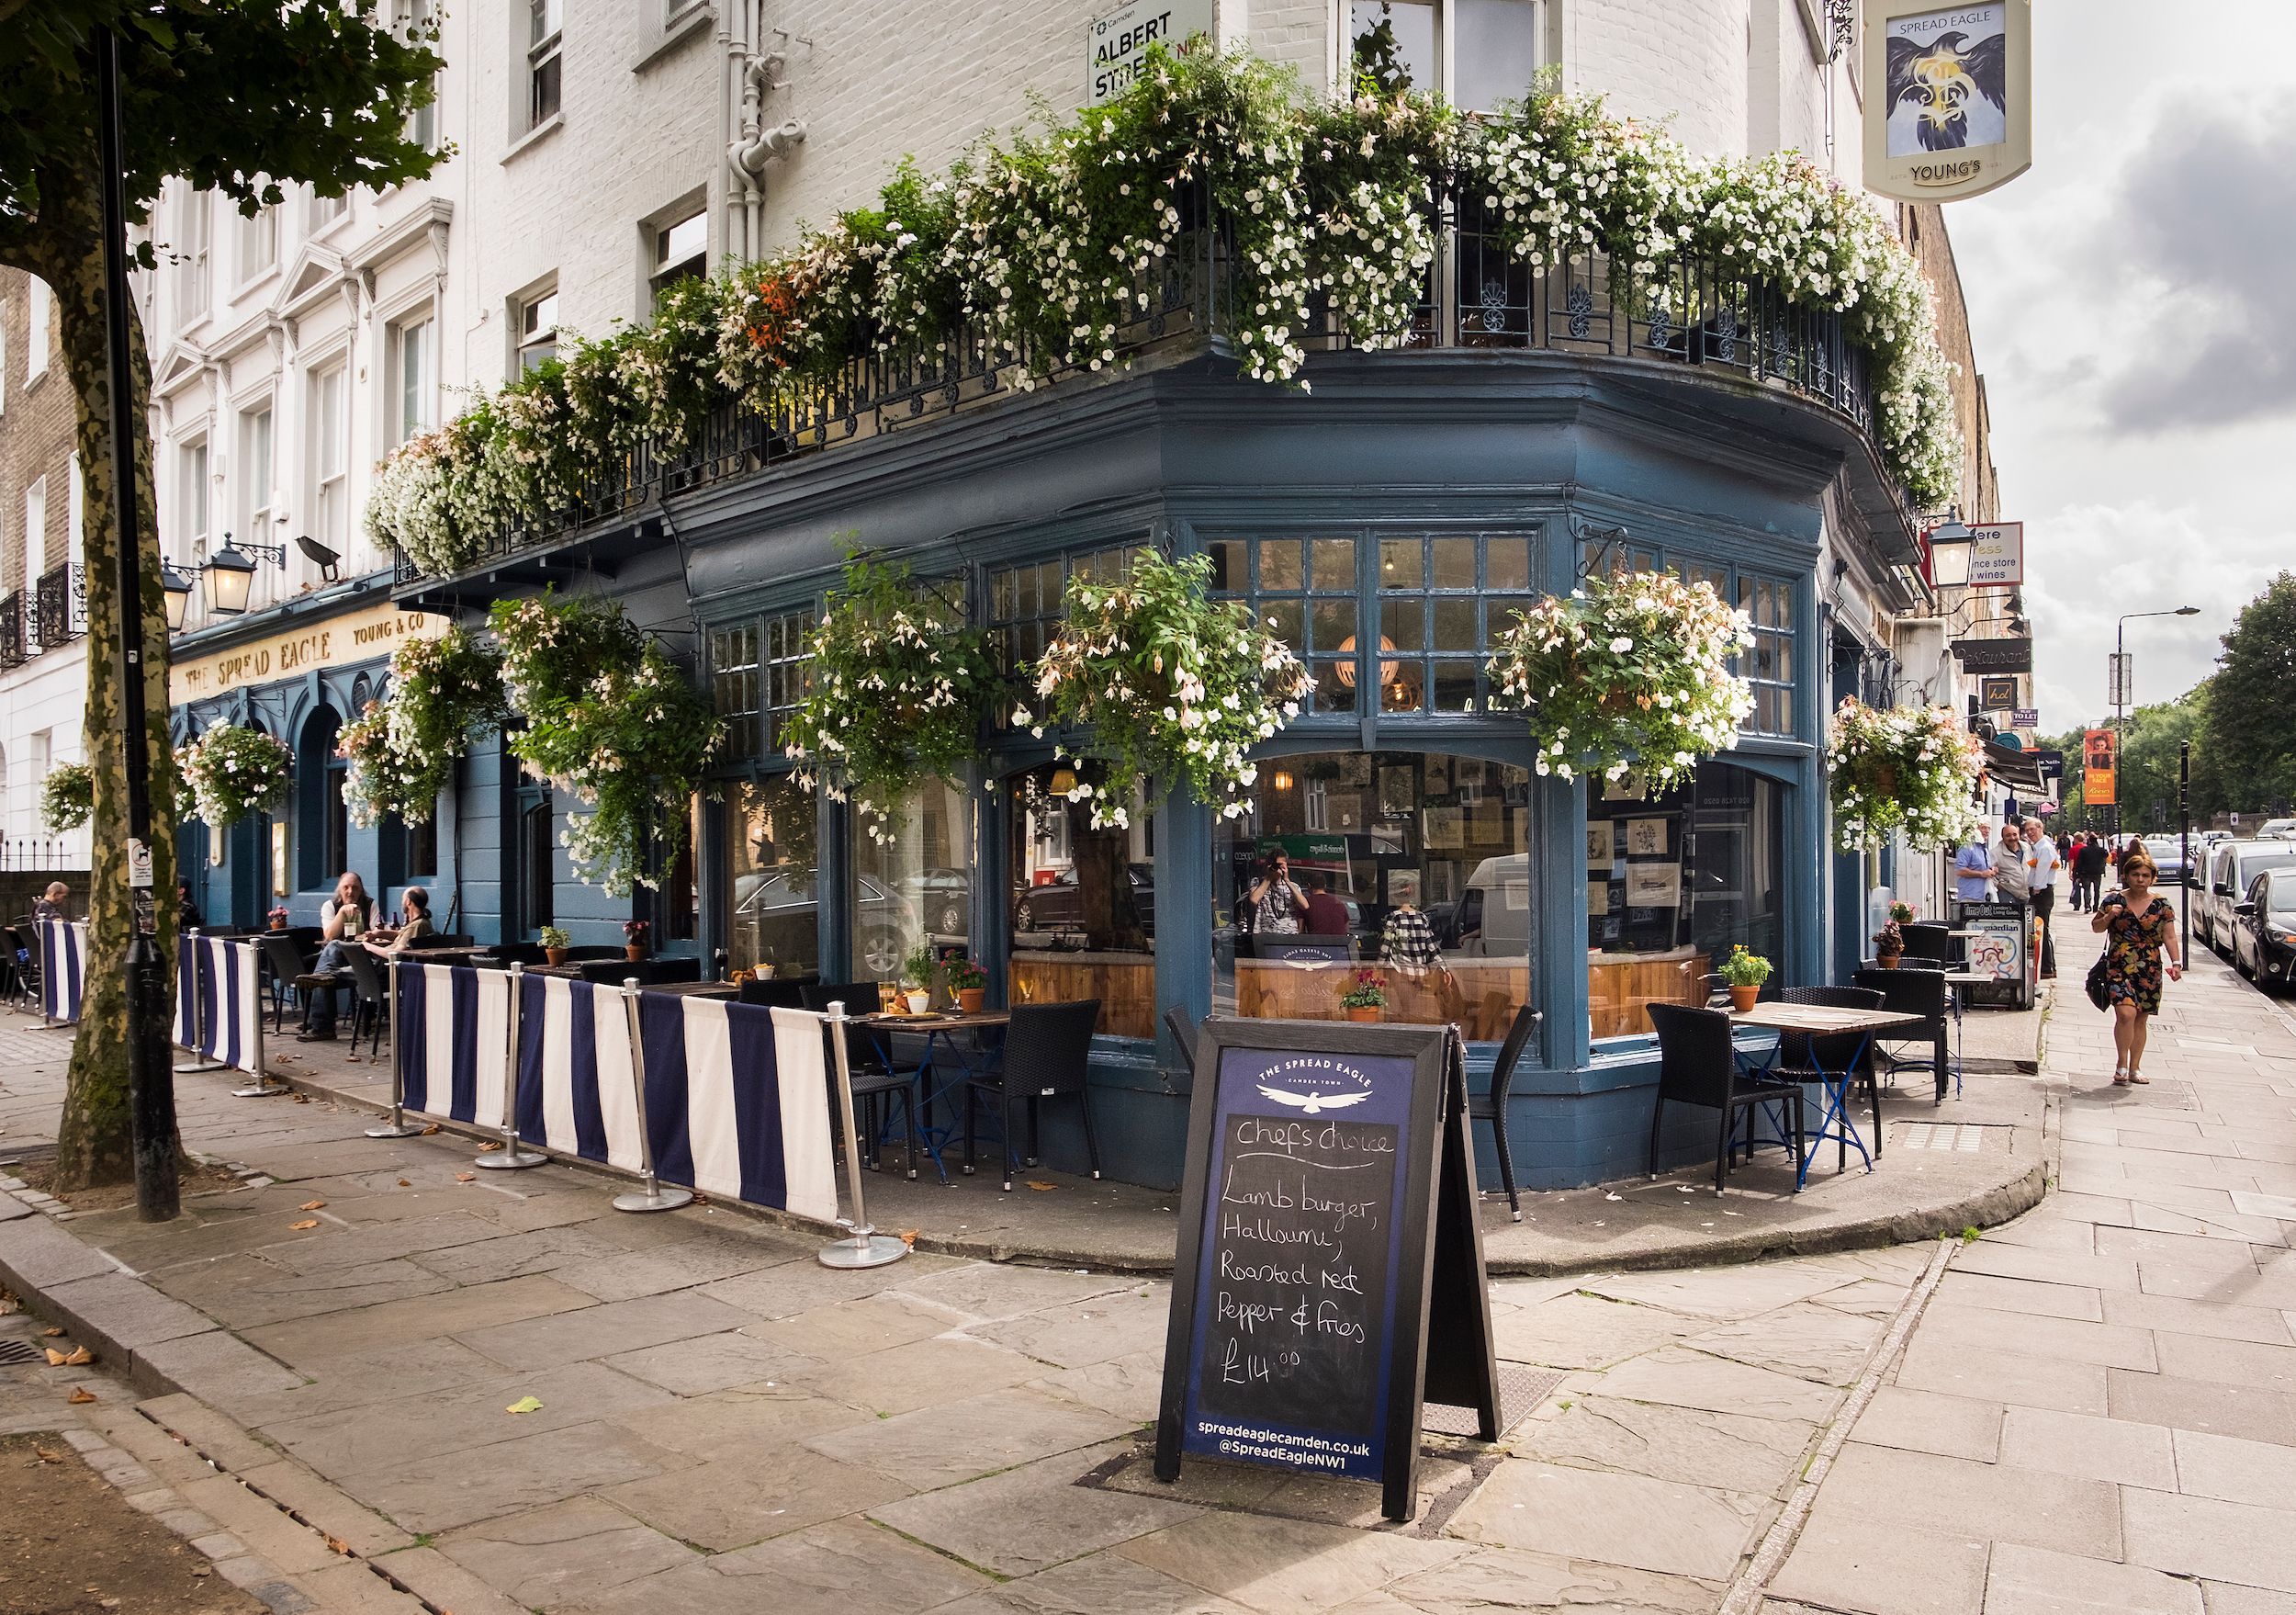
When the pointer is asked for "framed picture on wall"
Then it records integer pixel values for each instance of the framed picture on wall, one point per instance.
(1446, 830)
(1398, 792)
(1439, 776)
(1654, 885)
(1600, 847)
(1646, 838)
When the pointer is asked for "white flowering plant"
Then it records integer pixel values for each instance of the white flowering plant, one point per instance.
(1909, 771)
(897, 688)
(233, 772)
(1048, 248)
(67, 797)
(610, 718)
(1630, 674)
(402, 749)
(1174, 685)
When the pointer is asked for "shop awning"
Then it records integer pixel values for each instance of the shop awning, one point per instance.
(2010, 766)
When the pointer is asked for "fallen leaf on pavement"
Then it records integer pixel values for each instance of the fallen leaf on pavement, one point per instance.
(908, 1236)
(81, 1357)
(466, 1177)
(491, 1144)
(46, 1455)
(203, 1570)
(1040, 1187)
(304, 1098)
(337, 1545)
(406, 1182)
(312, 1206)
(55, 1357)
(306, 1222)
(80, 1398)
(524, 1404)
(430, 1129)
(51, 1333)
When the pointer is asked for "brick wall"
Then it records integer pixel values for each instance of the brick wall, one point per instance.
(36, 434)
(1923, 226)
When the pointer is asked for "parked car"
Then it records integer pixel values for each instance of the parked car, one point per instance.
(2168, 851)
(2276, 827)
(2264, 930)
(778, 908)
(1057, 906)
(2231, 866)
(943, 897)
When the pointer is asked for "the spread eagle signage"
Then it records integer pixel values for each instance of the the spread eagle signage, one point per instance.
(1947, 97)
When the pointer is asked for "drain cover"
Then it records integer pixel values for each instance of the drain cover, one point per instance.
(21, 1351)
(1520, 1390)
(1950, 1137)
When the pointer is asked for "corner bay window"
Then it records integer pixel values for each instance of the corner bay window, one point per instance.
(1439, 845)
(1672, 883)
(1084, 903)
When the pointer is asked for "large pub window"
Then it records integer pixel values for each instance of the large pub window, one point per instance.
(757, 678)
(320, 810)
(1768, 603)
(1443, 600)
(1025, 602)
(1307, 590)
(772, 903)
(1084, 902)
(537, 858)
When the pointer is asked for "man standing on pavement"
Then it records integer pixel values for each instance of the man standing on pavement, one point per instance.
(1973, 868)
(2044, 864)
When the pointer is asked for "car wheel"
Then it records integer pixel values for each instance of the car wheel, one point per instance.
(881, 952)
(1024, 917)
(952, 920)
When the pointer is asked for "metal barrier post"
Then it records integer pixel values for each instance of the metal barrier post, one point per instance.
(397, 1127)
(509, 1158)
(264, 1088)
(866, 1247)
(198, 1020)
(654, 1198)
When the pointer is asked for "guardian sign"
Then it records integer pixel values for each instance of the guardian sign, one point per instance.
(1947, 97)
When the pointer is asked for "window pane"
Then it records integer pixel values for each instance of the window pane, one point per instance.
(1495, 51)
(1334, 565)
(1402, 625)
(1402, 565)
(1453, 624)
(1281, 566)
(1417, 865)
(1507, 564)
(1454, 563)
(1283, 617)
(1084, 906)
(1394, 42)
(1230, 566)
(772, 907)
(907, 889)
(1673, 884)
(1454, 686)
(1334, 625)
(1335, 685)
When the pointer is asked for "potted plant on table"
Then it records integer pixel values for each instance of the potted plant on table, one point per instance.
(1889, 944)
(969, 981)
(636, 933)
(1365, 999)
(1744, 973)
(917, 977)
(1902, 913)
(278, 918)
(555, 942)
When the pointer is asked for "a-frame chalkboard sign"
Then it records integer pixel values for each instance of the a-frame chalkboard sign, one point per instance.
(1327, 1213)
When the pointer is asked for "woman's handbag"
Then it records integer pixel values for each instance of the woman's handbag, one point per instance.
(2098, 992)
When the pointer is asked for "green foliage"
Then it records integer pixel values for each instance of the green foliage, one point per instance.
(403, 751)
(1901, 771)
(234, 771)
(1744, 969)
(2250, 730)
(1175, 685)
(917, 965)
(899, 685)
(611, 719)
(554, 936)
(67, 800)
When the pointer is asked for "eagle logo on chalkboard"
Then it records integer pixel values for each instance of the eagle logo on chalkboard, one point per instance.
(1940, 80)
(1315, 1104)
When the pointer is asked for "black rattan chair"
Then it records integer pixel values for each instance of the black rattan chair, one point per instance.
(1048, 1055)
(368, 997)
(1928, 941)
(1491, 1107)
(1183, 1035)
(877, 1077)
(287, 962)
(1698, 1066)
(1801, 1056)
(650, 972)
(1912, 992)
(776, 994)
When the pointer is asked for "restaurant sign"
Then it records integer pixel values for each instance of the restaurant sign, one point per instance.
(301, 648)
(1995, 656)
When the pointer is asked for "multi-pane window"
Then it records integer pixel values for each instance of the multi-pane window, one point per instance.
(258, 243)
(423, 122)
(194, 213)
(330, 502)
(758, 677)
(193, 501)
(414, 359)
(681, 250)
(36, 304)
(1026, 603)
(1305, 589)
(538, 329)
(545, 37)
(255, 459)
(1478, 53)
(324, 210)
(1443, 600)
(1769, 664)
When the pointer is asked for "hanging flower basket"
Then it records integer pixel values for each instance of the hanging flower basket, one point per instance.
(1629, 674)
(233, 772)
(611, 719)
(67, 800)
(1173, 685)
(1909, 771)
(898, 687)
(402, 751)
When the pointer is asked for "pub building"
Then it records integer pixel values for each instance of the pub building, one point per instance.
(1387, 522)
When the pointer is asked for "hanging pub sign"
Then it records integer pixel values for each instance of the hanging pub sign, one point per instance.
(1997, 692)
(1997, 556)
(1328, 1209)
(1947, 97)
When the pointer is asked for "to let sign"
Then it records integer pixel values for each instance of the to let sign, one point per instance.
(1117, 45)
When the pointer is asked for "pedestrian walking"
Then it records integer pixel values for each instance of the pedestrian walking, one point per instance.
(1973, 867)
(2088, 873)
(2139, 925)
(2043, 866)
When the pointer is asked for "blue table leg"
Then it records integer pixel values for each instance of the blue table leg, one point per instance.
(1837, 1110)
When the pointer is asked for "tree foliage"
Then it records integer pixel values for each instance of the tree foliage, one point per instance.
(2251, 727)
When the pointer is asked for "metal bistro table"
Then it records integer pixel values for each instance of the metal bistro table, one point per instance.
(1955, 980)
(1816, 1020)
(934, 1026)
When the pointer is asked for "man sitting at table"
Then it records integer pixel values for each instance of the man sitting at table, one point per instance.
(345, 918)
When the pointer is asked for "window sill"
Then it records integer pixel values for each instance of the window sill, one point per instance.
(248, 286)
(674, 33)
(536, 136)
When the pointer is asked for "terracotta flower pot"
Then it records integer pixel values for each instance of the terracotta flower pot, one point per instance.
(971, 998)
(1364, 1013)
(1887, 961)
(635, 949)
(278, 925)
(554, 955)
(1742, 998)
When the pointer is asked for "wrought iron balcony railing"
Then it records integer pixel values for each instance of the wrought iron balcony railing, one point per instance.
(60, 606)
(12, 651)
(1477, 296)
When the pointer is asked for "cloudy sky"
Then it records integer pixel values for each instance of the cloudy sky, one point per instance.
(2134, 299)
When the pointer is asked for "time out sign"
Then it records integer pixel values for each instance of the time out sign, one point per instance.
(1117, 44)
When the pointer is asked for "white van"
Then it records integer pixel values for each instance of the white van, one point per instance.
(1494, 914)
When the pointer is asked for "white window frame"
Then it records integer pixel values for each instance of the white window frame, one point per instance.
(403, 427)
(258, 460)
(1544, 20)
(535, 326)
(665, 271)
(192, 460)
(194, 281)
(322, 214)
(545, 51)
(35, 531)
(39, 304)
(75, 504)
(258, 235)
(329, 394)
(423, 122)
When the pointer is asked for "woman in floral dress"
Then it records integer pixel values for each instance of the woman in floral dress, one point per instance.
(2138, 925)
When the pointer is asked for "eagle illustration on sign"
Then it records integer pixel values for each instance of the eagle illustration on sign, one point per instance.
(1313, 1083)
(1315, 1104)
(1949, 80)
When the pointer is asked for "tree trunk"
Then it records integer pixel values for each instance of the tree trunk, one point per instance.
(93, 1141)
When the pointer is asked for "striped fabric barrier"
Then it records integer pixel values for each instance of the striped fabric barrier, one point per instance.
(738, 1102)
(185, 1032)
(451, 1027)
(230, 987)
(576, 1094)
(63, 968)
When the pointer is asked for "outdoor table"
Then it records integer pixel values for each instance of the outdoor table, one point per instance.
(458, 956)
(1822, 1020)
(933, 1026)
(696, 989)
(1955, 980)
(569, 972)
